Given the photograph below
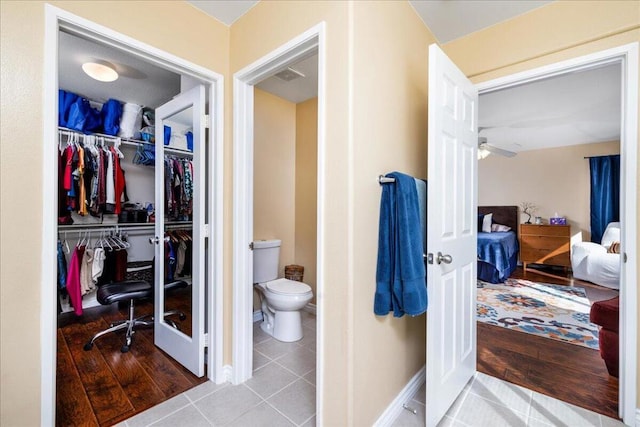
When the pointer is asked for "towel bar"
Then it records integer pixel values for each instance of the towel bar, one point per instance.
(384, 180)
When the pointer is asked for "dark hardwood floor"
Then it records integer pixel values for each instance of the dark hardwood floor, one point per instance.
(103, 386)
(568, 372)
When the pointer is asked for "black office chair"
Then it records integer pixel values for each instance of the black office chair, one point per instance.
(132, 290)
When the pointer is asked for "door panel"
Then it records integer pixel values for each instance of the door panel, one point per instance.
(451, 327)
(180, 204)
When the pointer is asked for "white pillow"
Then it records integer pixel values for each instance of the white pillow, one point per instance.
(486, 223)
(499, 227)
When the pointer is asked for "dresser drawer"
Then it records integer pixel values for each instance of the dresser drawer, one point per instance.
(545, 230)
(543, 256)
(546, 243)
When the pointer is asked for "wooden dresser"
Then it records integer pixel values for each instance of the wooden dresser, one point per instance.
(545, 244)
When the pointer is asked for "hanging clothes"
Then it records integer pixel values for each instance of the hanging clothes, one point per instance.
(62, 267)
(86, 272)
(73, 280)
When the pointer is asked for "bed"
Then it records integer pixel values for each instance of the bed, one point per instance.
(498, 251)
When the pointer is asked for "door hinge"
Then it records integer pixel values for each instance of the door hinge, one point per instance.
(207, 121)
(624, 257)
(251, 245)
(205, 230)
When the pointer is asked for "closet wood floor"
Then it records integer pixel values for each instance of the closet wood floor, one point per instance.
(103, 386)
(568, 372)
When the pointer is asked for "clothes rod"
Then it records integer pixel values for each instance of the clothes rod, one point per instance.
(384, 180)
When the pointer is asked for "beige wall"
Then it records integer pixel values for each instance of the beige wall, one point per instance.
(22, 62)
(274, 173)
(555, 180)
(390, 133)
(307, 189)
(555, 32)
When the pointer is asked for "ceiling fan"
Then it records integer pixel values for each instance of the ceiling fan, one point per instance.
(484, 149)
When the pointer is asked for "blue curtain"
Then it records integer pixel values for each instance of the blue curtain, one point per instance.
(605, 193)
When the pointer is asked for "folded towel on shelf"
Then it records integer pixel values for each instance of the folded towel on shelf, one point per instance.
(400, 275)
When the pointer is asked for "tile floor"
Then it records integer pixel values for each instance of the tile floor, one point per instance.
(489, 402)
(282, 391)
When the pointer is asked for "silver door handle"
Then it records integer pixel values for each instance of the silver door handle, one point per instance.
(443, 259)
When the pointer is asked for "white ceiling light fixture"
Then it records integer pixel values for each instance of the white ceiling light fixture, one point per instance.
(100, 70)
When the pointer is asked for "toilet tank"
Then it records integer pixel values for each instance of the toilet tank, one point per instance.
(266, 255)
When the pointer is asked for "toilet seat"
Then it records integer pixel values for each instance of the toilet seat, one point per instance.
(287, 287)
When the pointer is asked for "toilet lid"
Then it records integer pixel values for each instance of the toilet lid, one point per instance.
(288, 287)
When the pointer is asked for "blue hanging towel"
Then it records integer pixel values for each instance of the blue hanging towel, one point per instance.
(400, 275)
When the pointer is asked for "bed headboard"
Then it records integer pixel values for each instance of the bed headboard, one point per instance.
(506, 215)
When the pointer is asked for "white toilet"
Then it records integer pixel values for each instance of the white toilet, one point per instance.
(282, 299)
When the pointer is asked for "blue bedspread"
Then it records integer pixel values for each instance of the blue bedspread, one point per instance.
(500, 251)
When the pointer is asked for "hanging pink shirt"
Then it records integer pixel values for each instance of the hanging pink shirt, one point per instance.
(73, 280)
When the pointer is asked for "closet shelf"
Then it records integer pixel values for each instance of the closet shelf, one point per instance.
(124, 226)
(128, 141)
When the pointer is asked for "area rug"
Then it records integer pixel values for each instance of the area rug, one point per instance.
(550, 311)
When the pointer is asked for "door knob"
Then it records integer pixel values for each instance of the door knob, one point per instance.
(443, 259)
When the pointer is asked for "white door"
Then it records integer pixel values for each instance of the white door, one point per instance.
(180, 225)
(451, 236)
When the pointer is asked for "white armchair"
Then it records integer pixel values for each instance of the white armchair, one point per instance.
(590, 261)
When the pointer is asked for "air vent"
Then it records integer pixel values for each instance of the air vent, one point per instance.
(289, 74)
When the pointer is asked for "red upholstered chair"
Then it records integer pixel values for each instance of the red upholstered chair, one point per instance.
(607, 315)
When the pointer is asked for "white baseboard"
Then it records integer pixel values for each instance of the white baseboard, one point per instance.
(310, 308)
(257, 316)
(406, 394)
(637, 417)
(227, 373)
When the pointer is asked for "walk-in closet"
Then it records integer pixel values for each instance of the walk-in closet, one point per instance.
(132, 220)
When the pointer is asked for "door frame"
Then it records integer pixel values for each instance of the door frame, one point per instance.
(627, 56)
(243, 115)
(56, 19)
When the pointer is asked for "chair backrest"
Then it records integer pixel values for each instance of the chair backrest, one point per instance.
(611, 234)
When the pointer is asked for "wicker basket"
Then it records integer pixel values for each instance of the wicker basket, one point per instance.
(294, 272)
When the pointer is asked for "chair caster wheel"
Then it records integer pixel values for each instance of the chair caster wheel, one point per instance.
(88, 346)
(124, 349)
(182, 316)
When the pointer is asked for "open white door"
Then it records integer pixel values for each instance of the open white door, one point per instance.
(180, 219)
(451, 236)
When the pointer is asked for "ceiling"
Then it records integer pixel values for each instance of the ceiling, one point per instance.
(139, 82)
(297, 90)
(576, 108)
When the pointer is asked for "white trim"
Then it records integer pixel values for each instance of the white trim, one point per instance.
(48, 315)
(627, 56)
(243, 82)
(55, 19)
(311, 308)
(215, 218)
(637, 417)
(388, 417)
(227, 374)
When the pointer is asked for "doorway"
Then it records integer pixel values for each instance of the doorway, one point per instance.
(627, 57)
(309, 44)
(208, 155)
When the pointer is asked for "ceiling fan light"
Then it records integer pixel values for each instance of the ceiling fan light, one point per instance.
(483, 153)
(100, 72)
